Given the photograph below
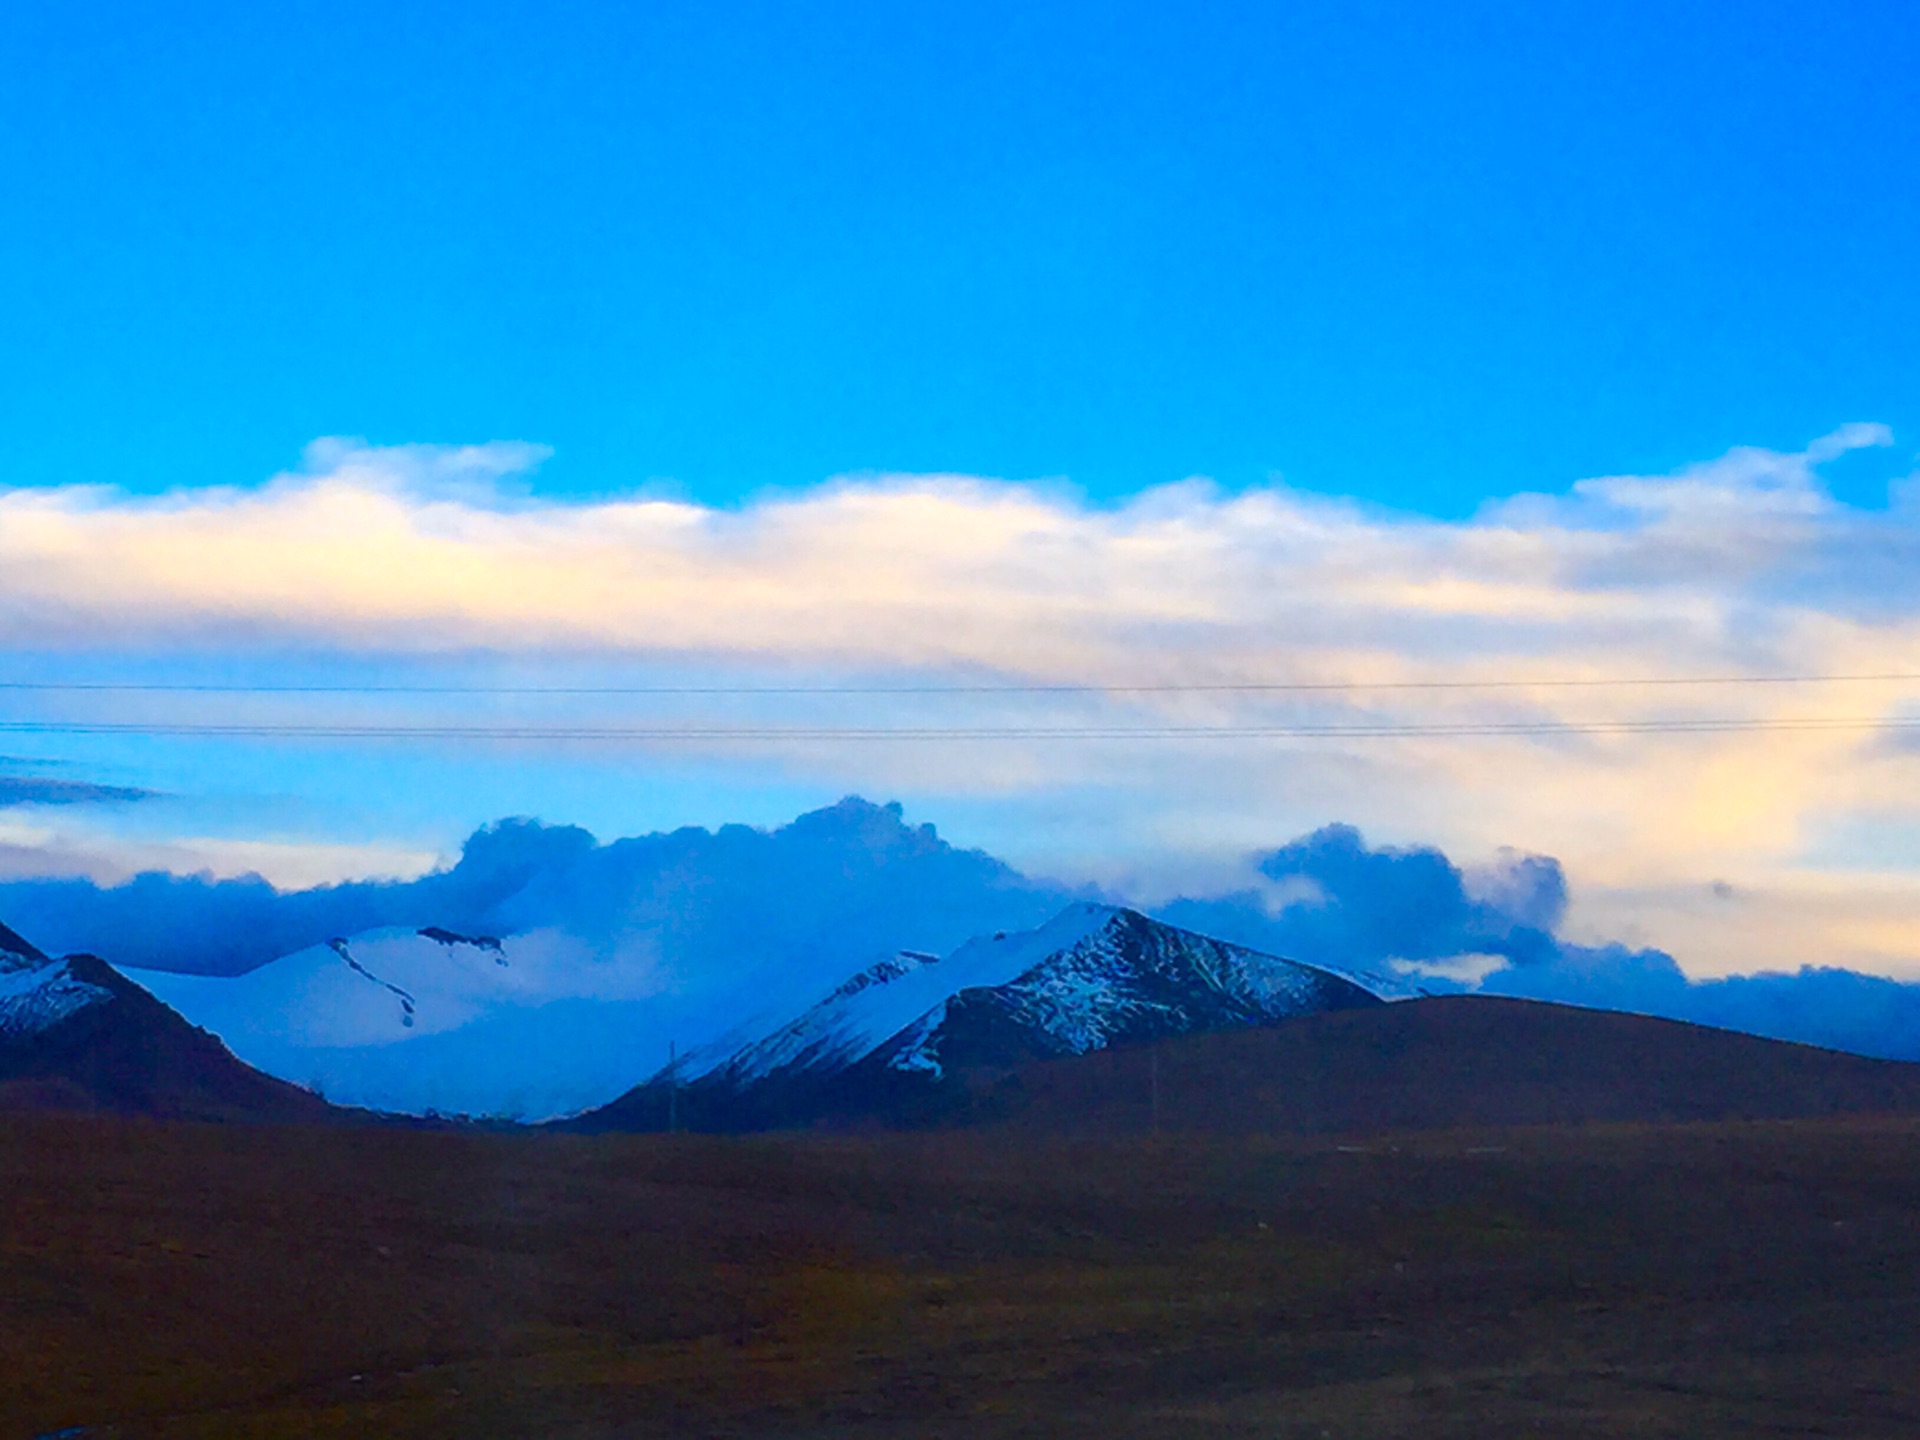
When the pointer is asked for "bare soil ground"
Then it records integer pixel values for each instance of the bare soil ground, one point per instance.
(1745, 1279)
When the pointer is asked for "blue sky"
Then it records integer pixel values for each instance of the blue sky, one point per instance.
(497, 345)
(1418, 253)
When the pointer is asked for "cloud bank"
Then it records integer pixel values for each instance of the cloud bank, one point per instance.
(425, 549)
(1745, 566)
(849, 880)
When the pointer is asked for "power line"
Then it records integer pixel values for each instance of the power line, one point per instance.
(762, 735)
(1169, 688)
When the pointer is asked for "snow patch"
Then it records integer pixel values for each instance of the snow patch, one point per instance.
(863, 1014)
(35, 1000)
(545, 1025)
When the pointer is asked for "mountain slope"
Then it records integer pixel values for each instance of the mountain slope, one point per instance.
(75, 1033)
(433, 1019)
(1443, 1062)
(896, 1038)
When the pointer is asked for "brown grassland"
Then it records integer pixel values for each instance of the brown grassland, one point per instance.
(1724, 1279)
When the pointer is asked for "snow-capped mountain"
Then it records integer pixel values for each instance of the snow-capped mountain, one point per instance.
(546, 974)
(1126, 977)
(550, 1023)
(76, 1032)
(1093, 976)
(435, 1019)
(522, 1026)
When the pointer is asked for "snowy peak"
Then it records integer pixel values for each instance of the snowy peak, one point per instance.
(36, 998)
(1092, 976)
(879, 973)
(76, 1032)
(867, 1011)
(374, 987)
(1124, 978)
(836, 1032)
(37, 993)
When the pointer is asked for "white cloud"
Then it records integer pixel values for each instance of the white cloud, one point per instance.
(1743, 565)
(413, 549)
(30, 851)
(1465, 969)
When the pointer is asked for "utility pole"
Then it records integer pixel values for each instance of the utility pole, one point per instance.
(673, 1087)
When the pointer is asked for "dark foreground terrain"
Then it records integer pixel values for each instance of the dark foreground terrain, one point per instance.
(1714, 1279)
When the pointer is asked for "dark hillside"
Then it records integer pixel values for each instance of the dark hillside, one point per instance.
(129, 1054)
(1443, 1062)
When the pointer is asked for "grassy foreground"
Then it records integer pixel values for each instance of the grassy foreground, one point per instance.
(180, 1280)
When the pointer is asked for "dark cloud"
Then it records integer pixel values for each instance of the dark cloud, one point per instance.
(200, 925)
(1361, 908)
(42, 790)
(831, 891)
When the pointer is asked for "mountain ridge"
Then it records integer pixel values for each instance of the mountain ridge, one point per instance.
(894, 1038)
(77, 1034)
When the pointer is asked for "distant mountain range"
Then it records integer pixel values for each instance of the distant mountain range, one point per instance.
(845, 966)
(538, 1026)
(892, 1041)
(608, 958)
(1100, 1022)
(76, 1033)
